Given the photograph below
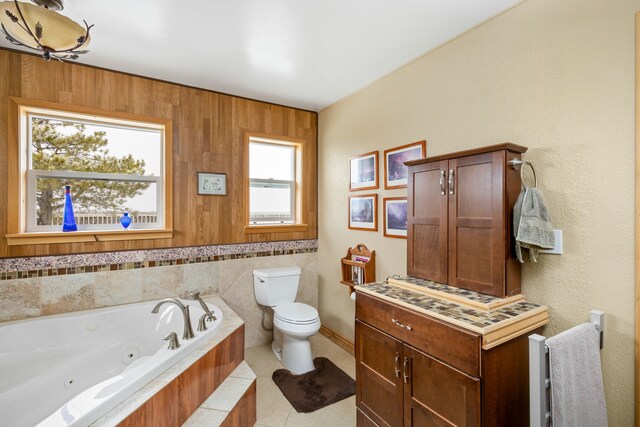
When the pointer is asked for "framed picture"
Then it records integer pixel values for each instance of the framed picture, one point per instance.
(363, 172)
(212, 184)
(395, 172)
(363, 212)
(395, 217)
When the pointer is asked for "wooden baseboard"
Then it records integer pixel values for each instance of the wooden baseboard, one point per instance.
(338, 339)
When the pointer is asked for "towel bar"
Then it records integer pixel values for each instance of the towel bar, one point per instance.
(517, 163)
(539, 383)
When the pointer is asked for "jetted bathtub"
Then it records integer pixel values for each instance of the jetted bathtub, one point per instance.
(70, 369)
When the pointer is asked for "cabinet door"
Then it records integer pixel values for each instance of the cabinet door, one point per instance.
(477, 250)
(378, 376)
(427, 221)
(439, 395)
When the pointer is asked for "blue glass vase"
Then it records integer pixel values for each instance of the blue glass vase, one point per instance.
(68, 220)
(125, 220)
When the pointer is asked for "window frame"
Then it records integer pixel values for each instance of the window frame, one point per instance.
(276, 183)
(298, 224)
(21, 178)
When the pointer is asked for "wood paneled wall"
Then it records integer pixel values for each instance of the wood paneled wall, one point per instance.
(208, 131)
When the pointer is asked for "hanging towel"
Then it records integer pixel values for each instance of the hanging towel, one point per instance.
(577, 395)
(532, 226)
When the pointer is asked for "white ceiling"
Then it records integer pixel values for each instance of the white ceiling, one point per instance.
(302, 53)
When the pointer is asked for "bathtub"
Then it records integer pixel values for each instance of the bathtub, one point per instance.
(70, 369)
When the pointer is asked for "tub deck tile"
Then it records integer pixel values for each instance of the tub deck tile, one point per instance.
(243, 371)
(204, 417)
(225, 397)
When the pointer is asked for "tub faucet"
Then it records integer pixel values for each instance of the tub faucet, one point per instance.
(202, 322)
(173, 341)
(187, 334)
(196, 297)
(208, 314)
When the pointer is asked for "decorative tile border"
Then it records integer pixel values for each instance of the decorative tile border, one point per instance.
(22, 268)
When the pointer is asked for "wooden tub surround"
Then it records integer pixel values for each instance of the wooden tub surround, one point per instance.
(193, 383)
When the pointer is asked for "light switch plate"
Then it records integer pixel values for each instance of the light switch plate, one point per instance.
(557, 250)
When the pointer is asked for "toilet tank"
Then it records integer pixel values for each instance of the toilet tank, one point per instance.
(274, 286)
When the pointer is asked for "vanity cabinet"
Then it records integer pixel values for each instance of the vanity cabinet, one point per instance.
(459, 217)
(437, 394)
(400, 385)
(415, 370)
(379, 386)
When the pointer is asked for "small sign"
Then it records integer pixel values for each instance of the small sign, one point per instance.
(214, 184)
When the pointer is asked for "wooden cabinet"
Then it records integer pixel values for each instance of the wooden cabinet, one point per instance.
(459, 217)
(379, 386)
(400, 385)
(437, 394)
(415, 370)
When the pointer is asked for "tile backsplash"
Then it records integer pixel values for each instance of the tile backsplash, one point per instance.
(40, 286)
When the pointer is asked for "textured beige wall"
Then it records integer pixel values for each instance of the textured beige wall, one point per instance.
(556, 76)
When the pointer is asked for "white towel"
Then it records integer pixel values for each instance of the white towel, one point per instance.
(577, 394)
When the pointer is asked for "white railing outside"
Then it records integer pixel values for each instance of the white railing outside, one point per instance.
(270, 217)
(97, 219)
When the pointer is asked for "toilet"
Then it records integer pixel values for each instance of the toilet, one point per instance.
(293, 322)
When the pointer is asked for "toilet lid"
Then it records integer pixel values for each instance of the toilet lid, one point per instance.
(296, 312)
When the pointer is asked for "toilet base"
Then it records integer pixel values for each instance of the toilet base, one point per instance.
(295, 354)
(277, 351)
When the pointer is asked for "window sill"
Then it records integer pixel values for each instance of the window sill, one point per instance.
(271, 228)
(85, 236)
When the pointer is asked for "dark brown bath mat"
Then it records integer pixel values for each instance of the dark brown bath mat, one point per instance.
(316, 389)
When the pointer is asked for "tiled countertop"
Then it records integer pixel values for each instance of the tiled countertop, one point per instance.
(489, 323)
(450, 290)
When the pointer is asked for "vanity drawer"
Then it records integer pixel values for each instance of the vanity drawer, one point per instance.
(452, 345)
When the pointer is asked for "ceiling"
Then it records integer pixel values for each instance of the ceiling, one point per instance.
(293, 52)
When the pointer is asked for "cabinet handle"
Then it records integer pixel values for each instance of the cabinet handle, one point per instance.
(397, 365)
(452, 181)
(405, 374)
(443, 189)
(402, 325)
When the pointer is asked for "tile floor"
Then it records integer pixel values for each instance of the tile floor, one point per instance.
(274, 410)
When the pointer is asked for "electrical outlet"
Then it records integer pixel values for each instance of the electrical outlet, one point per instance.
(557, 250)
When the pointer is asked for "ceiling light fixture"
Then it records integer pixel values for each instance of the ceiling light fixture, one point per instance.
(40, 27)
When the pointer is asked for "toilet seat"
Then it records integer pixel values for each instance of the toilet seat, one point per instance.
(296, 313)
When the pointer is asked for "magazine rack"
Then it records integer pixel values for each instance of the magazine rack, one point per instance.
(358, 266)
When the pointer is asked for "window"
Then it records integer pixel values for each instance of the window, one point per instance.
(112, 164)
(275, 185)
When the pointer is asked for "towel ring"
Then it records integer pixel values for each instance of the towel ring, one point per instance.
(517, 163)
